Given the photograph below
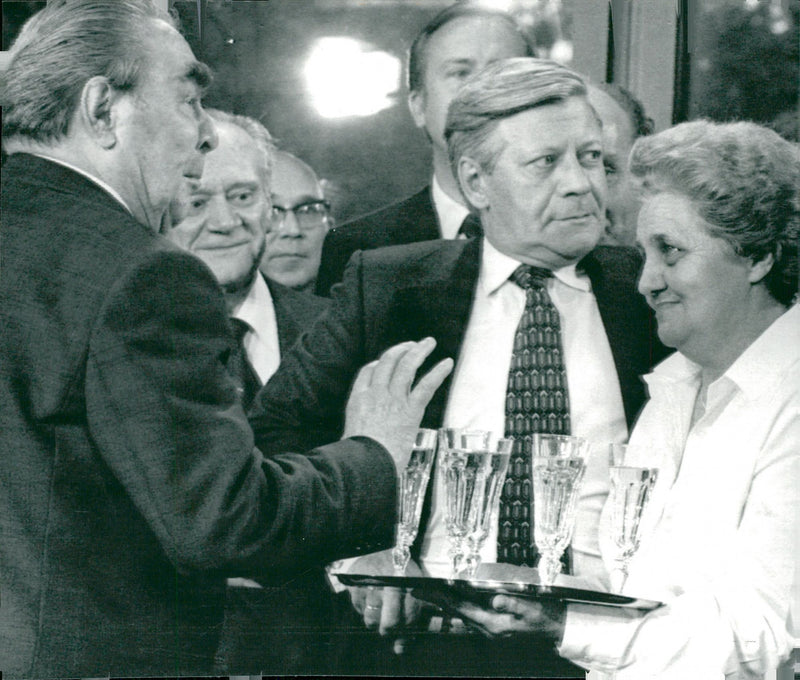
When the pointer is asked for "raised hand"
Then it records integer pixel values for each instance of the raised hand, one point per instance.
(382, 404)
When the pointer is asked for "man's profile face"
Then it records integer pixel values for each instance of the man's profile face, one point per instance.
(294, 243)
(222, 218)
(543, 203)
(162, 129)
(454, 53)
(618, 138)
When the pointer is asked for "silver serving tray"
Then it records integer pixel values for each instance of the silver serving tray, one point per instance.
(482, 590)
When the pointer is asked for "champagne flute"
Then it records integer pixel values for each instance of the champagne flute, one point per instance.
(486, 502)
(631, 489)
(411, 495)
(463, 459)
(558, 468)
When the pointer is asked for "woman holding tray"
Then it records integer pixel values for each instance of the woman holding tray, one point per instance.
(719, 230)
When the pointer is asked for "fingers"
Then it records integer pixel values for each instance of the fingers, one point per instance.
(373, 605)
(357, 599)
(408, 364)
(395, 359)
(422, 393)
(392, 612)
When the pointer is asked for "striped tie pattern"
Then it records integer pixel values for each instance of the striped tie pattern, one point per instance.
(536, 401)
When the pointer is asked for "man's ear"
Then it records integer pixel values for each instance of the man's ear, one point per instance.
(97, 111)
(471, 179)
(416, 104)
(760, 268)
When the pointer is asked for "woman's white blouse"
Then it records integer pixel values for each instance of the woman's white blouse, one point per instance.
(720, 542)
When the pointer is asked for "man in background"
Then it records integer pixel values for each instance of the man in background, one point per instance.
(454, 45)
(129, 482)
(301, 217)
(624, 120)
(225, 218)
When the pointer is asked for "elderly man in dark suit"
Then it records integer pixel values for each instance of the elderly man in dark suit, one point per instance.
(526, 147)
(455, 44)
(129, 482)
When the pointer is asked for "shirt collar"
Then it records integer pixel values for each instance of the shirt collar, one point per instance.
(451, 213)
(99, 182)
(251, 309)
(763, 363)
(496, 268)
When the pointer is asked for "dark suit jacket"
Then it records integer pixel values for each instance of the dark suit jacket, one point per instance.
(129, 483)
(408, 221)
(426, 289)
(295, 312)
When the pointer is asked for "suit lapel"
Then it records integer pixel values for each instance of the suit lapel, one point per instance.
(288, 327)
(421, 223)
(628, 328)
(439, 307)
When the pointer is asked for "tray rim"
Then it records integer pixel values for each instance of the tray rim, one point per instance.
(525, 589)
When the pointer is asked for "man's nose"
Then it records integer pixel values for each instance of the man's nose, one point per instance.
(222, 217)
(290, 226)
(574, 177)
(207, 139)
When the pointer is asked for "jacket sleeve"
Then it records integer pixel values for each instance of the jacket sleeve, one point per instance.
(303, 403)
(165, 418)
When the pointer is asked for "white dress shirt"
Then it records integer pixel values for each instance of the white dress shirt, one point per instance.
(450, 213)
(261, 341)
(477, 395)
(720, 541)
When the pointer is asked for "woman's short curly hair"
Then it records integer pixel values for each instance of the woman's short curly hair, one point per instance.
(744, 181)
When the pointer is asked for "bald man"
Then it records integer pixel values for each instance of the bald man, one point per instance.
(300, 219)
(624, 120)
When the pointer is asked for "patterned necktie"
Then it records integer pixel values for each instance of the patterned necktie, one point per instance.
(471, 226)
(536, 401)
(240, 367)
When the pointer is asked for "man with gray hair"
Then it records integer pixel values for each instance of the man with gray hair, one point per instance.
(526, 147)
(129, 482)
(224, 218)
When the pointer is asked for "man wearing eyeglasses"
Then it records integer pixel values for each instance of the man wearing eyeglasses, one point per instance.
(300, 220)
(225, 218)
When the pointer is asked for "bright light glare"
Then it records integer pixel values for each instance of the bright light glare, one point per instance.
(344, 79)
(501, 5)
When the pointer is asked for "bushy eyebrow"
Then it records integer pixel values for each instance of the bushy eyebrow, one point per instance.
(200, 74)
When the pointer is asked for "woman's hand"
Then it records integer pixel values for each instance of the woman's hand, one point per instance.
(505, 615)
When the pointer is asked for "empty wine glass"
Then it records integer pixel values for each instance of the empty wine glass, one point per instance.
(486, 502)
(463, 456)
(411, 495)
(631, 488)
(558, 467)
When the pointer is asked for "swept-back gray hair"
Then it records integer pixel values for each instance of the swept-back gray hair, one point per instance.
(742, 178)
(260, 135)
(500, 90)
(64, 45)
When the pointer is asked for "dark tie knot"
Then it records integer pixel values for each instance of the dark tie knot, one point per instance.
(240, 328)
(527, 276)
